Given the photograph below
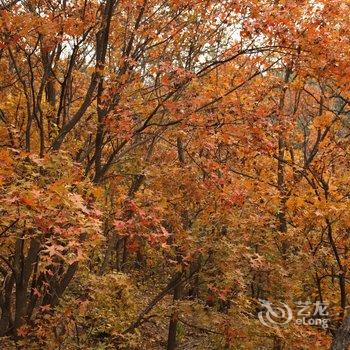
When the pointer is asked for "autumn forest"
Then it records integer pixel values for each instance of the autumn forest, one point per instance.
(174, 174)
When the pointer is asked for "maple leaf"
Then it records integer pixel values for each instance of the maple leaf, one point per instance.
(28, 201)
(22, 331)
(78, 202)
(164, 231)
(119, 225)
(45, 308)
(54, 250)
(36, 292)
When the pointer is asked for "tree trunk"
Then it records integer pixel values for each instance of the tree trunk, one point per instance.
(342, 337)
(174, 318)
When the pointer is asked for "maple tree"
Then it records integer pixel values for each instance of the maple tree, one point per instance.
(165, 165)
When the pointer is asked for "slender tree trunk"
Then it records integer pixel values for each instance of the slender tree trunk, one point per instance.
(172, 342)
(108, 254)
(342, 337)
(281, 170)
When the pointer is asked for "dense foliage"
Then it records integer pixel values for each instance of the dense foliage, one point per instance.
(166, 165)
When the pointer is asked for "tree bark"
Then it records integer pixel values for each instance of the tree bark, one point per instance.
(172, 343)
(342, 337)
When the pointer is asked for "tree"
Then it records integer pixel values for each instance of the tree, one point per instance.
(192, 153)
